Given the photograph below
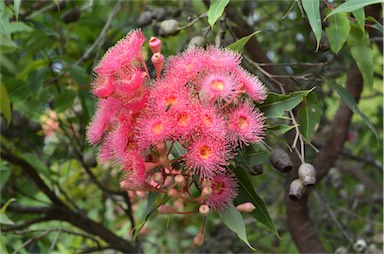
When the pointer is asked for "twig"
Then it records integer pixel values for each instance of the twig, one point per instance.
(31, 240)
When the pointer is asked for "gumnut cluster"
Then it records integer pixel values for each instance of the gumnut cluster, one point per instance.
(177, 133)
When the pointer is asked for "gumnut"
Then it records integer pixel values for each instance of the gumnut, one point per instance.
(89, 159)
(199, 239)
(296, 189)
(144, 19)
(307, 174)
(281, 161)
(58, 6)
(360, 245)
(245, 207)
(179, 180)
(196, 41)
(205, 193)
(257, 170)
(158, 178)
(71, 16)
(206, 183)
(204, 210)
(169, 27)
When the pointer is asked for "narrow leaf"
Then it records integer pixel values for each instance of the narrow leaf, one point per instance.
(5, 104)
(351, 103)
(239, 44)
(359, 14)
(378, 26)
(276, 104)
(215, 11)
(235, 222)
(338, 31)
(309, 115)
(16, 6)
(64, 100)
(247, 194)
(362, 53)
(352, 5)
(5, 206)
(281, 129)
(312, 9)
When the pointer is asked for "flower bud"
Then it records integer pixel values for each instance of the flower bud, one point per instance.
(169, 27)
(296, 189)
(155, 45)
(281, 161)
(166, 209)
(199, 239)
(206, 183)
(206, 193)
(245, 207)
(307, 174)
(173, 193)
(158, 62)
(179, 180)
(158, 178)
(204, 210)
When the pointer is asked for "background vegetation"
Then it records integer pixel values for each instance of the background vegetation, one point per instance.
(56, 198)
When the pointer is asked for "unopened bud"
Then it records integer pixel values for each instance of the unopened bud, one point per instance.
(204, 210)
(296, 189)
(166, 209)
(245, 207)
(199, 239)
(281, 161)
(169, 27)
(206, 183)
(307, 174)
(173, 193)
(155, 45)
(158, 178)
(158, 63)
(161, 148)
(206, 193)
(165, 161)
(179, 180)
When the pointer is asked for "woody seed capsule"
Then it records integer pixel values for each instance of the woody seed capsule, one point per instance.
(281, 161)
(169, 27)
(296, 189)
(307, 174)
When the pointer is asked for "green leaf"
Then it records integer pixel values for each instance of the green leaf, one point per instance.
(338, 31)
(4, 208)
(359, 14)
(215, 10)
(281, 129)
(247, 194)
(34, 65)
(64, 100)
(5, 104)
(276, 104)
(378, 26)
(36, 163)
(235, 222)
(362, 53)
(5, 220)
(309, 115)
(352, 5)
(16, 6)
(351, 103)
(250, 156)
(239, 44)
(312, 9)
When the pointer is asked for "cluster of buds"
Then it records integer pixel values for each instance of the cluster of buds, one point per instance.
(179, 131)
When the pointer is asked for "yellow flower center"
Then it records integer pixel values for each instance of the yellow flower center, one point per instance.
(158, 127)
(184, 120)
(207, 120)
(218, 187)
(205, 152)
(242, 121)
(217, 85)
(171, 101)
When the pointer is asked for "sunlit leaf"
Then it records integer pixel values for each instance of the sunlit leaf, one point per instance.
(309, 115)
(235, 222)
(359, 14)
(239, 44)
(5, 206)
(352, 5)
(362, 53)
(247, 193)
(351, 103)
(5, 104)
(312, 9)
(16, 6)
(338, 31)
(215, 10)
(276, 104)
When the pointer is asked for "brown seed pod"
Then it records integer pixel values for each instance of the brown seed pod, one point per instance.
(70, 16)
(257, 170)
(296, 189)
(307, 174)
(59, 6)
(144, 19)
(281, 161)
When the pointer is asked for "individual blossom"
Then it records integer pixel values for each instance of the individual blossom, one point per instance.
(212, 123)
(250, 85)
(217, 87)
(245, 124)
(207, 156)
(224, 190)
(135, 174)
(128, 80)
(222, 60)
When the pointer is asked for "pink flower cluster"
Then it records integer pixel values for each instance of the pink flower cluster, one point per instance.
(190, 121)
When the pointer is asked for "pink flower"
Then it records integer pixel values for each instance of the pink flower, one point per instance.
(128, 80)
(127, 51)
(245, 124)
(207, 156)
(152, 129)
(106, 151)
(103, 85)
(224, 190)
(251, 85)
(222, 60)
(217, 87)
(99, 124)
(135, 174)
(212, 123)
(187, 120)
